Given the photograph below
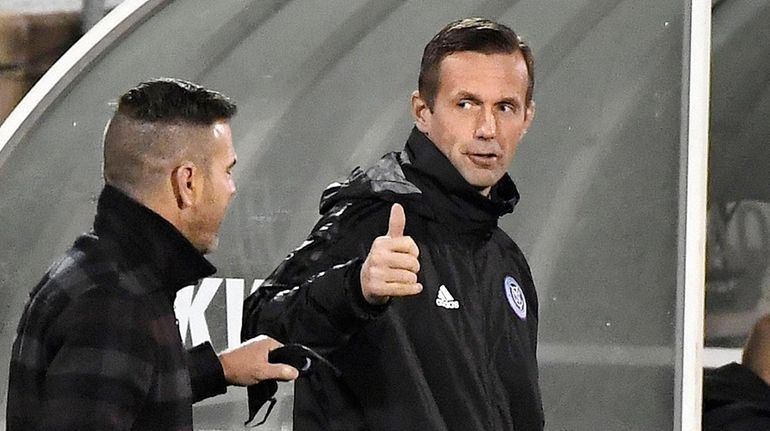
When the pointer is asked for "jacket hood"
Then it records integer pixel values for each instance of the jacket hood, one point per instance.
(423, 174)
(385, 181)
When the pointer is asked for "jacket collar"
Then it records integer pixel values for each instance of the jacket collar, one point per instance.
(429, 168)
(735, 383)
(146, 238)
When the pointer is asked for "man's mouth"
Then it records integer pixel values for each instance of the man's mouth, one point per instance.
(483, 159)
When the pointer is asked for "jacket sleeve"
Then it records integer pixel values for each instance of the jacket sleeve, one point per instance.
(314, 296)
(207, 377)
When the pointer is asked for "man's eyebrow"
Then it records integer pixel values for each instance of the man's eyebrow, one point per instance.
(467, 95)
(463, 94)
(510, 100)
(235, 160)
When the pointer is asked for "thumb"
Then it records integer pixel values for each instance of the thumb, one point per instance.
(286, 372)
(397, 221)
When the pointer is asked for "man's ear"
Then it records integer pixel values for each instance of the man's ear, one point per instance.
(421, 112)
(530, 115)
(184, 182)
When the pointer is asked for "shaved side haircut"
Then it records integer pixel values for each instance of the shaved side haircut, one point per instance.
(154, 125)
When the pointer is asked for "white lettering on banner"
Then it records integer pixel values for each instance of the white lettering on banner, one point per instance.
(234, 288)
(190, 308)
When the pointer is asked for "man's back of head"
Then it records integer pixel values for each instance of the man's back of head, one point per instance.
(169, 147)
(152, 129)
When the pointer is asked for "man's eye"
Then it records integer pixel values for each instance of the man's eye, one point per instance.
(507, 108)
(464, 104)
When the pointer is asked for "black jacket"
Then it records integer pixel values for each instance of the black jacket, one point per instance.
(735, 399)
(461, 355)
(98, 347)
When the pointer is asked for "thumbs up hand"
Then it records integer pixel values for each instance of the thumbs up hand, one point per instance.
(391, 267)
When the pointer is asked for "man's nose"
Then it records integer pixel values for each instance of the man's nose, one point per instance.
(487, 125)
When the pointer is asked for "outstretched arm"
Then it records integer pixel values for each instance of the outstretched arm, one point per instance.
(243, 365)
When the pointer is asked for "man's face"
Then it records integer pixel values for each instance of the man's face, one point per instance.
(218, 188)
(479, 114)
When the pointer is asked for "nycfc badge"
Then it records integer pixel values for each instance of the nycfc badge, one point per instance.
(515, 297)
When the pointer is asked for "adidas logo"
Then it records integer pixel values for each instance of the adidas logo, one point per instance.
(445, 299)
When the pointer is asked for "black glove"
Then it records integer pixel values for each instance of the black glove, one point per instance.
(298, 356)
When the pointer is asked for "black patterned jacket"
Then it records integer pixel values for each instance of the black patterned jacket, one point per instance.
(98, 347)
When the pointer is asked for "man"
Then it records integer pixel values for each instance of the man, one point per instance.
(407, 284)
(98, 347)
(736, 397)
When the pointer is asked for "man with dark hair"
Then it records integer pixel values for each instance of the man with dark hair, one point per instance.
(406, 283)
(98, 346)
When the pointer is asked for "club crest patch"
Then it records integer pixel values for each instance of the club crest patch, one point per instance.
(515, 296)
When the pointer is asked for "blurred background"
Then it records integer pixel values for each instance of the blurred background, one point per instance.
(34, 34)
(323, 86)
